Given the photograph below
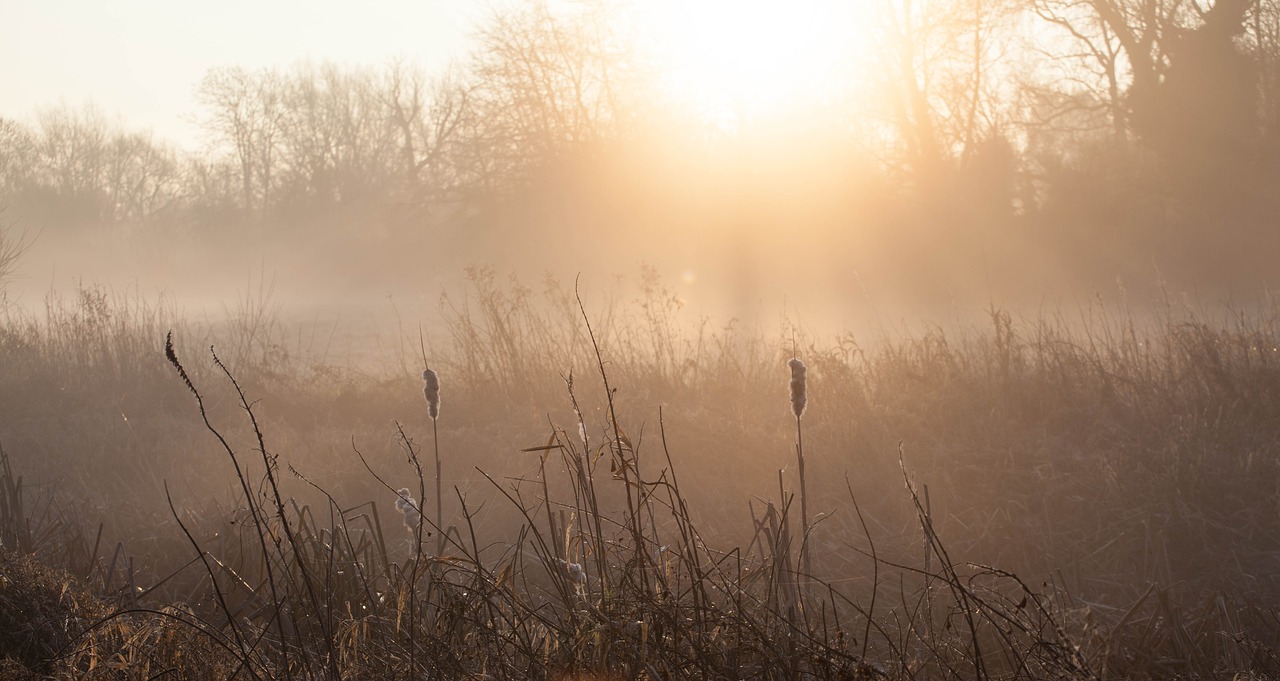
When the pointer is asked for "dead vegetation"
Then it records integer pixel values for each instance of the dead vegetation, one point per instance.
(1093, 498)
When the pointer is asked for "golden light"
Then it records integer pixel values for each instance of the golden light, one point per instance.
(737, 60)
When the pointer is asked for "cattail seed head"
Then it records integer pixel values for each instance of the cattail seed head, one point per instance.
(404, 500)
(408, 508)
(432, 392)
(798, 386)
(574, 571)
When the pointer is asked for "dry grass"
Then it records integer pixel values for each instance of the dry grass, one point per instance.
(1047, 498)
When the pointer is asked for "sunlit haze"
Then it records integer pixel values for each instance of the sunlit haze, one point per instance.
(734, 59)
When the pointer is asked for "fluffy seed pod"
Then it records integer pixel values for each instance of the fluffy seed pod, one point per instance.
(798, 385)
(575, 572)
(404, 500)
(432, 392)
(408, 508)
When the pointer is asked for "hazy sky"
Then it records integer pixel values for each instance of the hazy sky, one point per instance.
(142, 59)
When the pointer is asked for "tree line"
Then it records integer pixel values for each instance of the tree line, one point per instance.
(1138, 115)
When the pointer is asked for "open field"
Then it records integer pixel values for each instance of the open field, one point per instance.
(1082, 494)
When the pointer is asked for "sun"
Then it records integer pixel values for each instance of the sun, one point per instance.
(736, 60)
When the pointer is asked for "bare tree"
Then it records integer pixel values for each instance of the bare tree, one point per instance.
(1132, 50)
(338, 138)
(17, 157)
(545, 87)
(142, 177)
(243, 116)
(86, 159)
(12, 247)
(73, 151)
(941, 67)
(431, 118)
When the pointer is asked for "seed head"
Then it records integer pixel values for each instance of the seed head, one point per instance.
(432, 392)
(798, 381)
(574, 571)
(408, 508)
(404, 500)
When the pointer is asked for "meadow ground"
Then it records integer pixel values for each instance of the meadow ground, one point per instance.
(1082, 494)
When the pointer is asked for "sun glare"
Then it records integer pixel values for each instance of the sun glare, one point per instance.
(737, 60)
